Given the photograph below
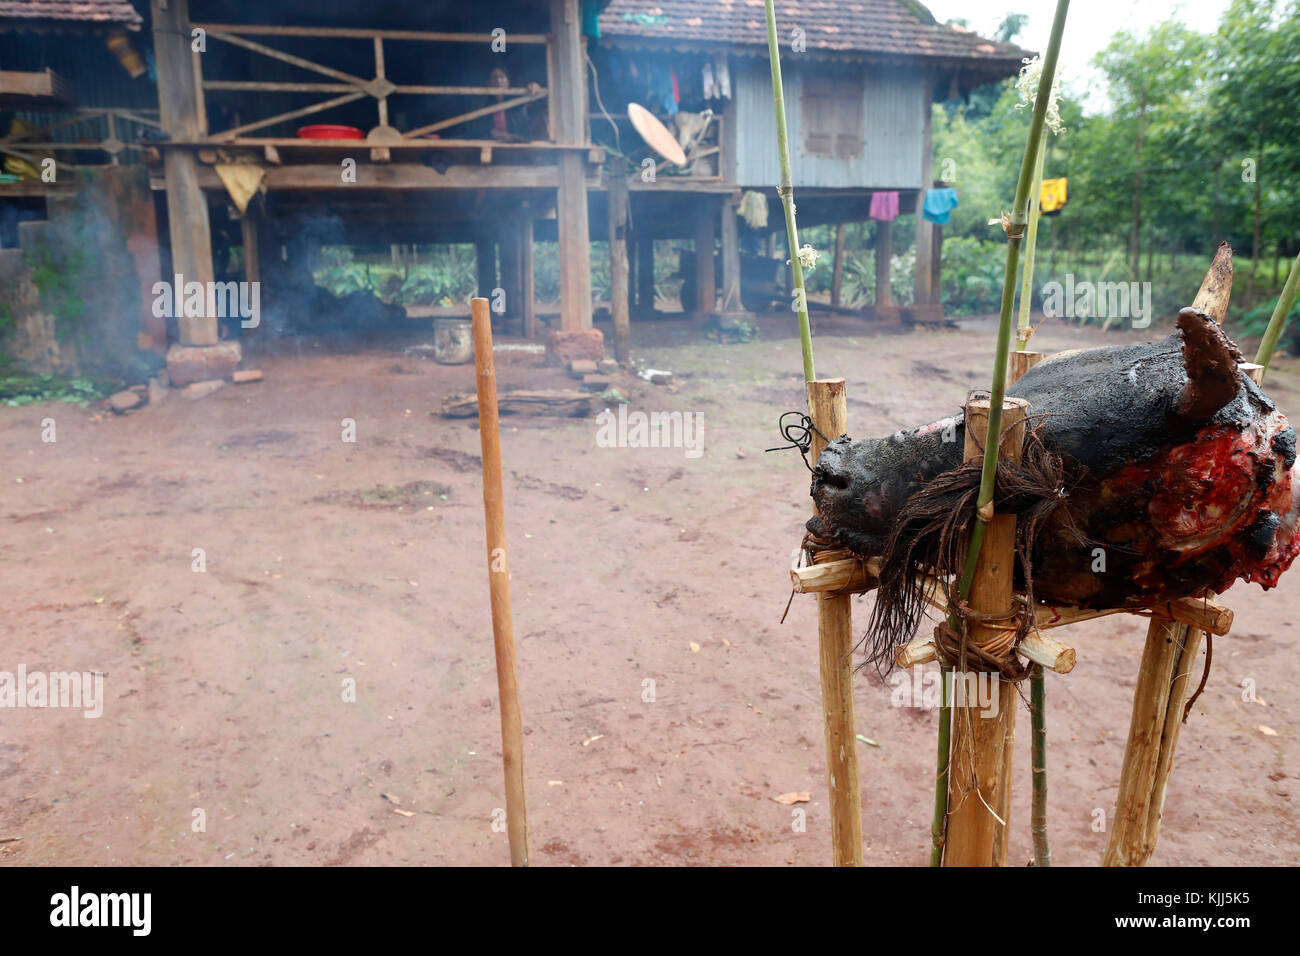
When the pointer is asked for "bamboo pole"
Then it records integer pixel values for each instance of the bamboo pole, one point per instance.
(1280, 312)
(1022, 361)
(828, 409)
(1031, 244)
(977, 772)
(503, 628)
(1015, 225)
(786, 192)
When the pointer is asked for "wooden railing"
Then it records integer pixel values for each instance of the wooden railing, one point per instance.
(350, 88)
(28, 145)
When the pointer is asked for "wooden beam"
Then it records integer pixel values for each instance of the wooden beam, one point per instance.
(311, 110)
(364, 34)
(187, 208)
(311, 176)
(473, 114)
(573, 232)
(222, 34)
(569, 82)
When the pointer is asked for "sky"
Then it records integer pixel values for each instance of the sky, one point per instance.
(1088, 28)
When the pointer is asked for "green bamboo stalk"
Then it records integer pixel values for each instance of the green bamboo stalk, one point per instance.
(1015, 237)
(1038, 817)
(1019, 222)
(1280, 313)
(1031, 245)
(786, 192)
(1037, 683)
(939, 825)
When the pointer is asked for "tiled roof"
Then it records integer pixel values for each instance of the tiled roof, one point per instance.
(83, 12)
(844, 27)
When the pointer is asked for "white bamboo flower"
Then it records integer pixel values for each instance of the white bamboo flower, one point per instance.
(808, 257)
(1027, 87)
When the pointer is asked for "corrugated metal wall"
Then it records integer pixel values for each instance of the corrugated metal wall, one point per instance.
(894, 105)
(93, 73)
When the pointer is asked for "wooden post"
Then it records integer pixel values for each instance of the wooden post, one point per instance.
(645, 270)
(485, 266)
(837, 273)
(980, 742)
(884, 256)
(527, 292)
(1153, 736)
(706, 286)
(633, 250)
(249, 233)
(924, 276)
(187, 208)
(730, 259)
(618, 279)
(828, 409)
(567, 104)
(936, 265)
(503, 627)
(511, 280)
(1163, 681)
(1021, 362)
(250, 228)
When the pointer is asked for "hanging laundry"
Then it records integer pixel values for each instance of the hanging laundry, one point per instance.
(938, 204)
(723, 73)
(662, 83)
(753, 209)
(884, 206)
(710, 83)
(677, 91)
(1055, 194)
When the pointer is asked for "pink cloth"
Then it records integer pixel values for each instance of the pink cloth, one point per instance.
(884, 206)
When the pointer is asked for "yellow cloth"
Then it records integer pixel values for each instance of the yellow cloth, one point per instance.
(1054, 196)
(242, 181)
(21, 167)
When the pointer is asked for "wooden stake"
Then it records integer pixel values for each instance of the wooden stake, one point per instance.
(1162, 686)
(1022, 362)
(503, 627)
(979, 743)
(828, 409)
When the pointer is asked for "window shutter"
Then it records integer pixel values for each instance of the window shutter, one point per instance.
(849, 109)
(818, 115)
(832, 116)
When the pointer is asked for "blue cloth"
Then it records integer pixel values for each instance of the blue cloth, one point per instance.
(661, 88)
(938, 203)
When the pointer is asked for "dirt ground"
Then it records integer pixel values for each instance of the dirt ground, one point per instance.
(328, 561)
